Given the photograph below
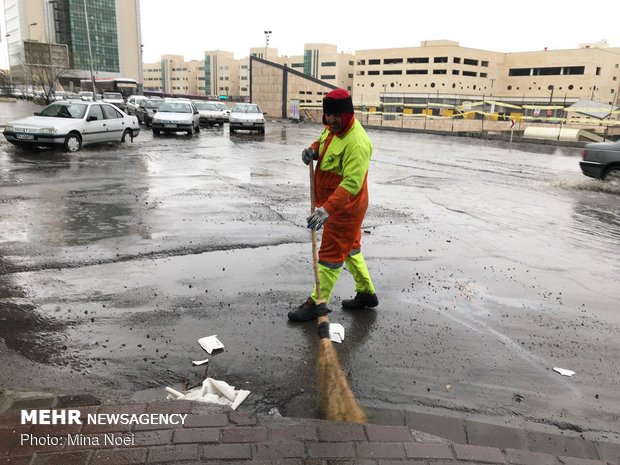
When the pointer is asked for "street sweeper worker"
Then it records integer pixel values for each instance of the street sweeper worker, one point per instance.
(343, 152)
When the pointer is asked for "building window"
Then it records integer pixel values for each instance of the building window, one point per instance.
(519, 72)
(440, 71)
(373, 73)
(598, 70)
(328, 76)
(417, 60)
(483, 75)
(440, 60)
(351, 63)
(392, 71)
(455, 72)
(456, 60)
(328, 63)
(470, 61)
(361, 62)
(484, 63)
(469, 73)
(392, 61)
(360, 73)
(350, 75)
(297, 65)
(374, 62)
(417, 71)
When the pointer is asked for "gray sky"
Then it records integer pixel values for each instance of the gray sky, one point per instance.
(193, 26)
(189, 27)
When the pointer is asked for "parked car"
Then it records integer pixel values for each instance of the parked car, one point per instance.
(72, 124)
(247, 116)
(211, 114)
(86, 95)
(222, 106)
(115, 98)
(601, 160)
(176, 115)
(146, 109)
(133, 102)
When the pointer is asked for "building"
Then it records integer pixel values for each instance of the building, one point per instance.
(105, 46)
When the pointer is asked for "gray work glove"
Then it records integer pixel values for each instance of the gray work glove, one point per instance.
(317, 218)
(308, 155)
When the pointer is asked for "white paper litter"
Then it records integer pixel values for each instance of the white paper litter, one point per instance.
(212, 391)
(210, 343)
(197, 363)
(564, 371)
(336, 332)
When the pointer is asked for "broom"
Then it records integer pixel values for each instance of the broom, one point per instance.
(336, 399)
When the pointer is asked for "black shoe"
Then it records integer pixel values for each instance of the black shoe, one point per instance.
(308, 311)
(360, 301)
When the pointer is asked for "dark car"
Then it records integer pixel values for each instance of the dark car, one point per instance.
(146, 109)
(601, 160)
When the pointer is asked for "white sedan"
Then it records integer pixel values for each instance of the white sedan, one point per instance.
(72, 124)
(176, 115)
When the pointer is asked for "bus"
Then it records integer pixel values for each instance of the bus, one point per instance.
(126, 86)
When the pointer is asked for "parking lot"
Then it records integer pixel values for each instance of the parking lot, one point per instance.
(494, 264)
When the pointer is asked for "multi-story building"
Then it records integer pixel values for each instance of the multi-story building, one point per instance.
(101, 37)
(443, 70)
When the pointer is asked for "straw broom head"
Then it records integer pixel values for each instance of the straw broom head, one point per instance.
(336, 399)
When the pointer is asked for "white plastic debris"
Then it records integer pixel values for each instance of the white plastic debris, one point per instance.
(197, 363)
(564, 371)
(336, 332)
(212, 391)
(210, 343)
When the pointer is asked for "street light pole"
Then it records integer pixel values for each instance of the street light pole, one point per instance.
(90, 51)
(29, 26)
(267, 34)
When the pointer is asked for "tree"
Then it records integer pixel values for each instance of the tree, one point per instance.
(45, 64)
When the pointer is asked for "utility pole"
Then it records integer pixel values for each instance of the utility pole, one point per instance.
(267, 34)
(90, 51)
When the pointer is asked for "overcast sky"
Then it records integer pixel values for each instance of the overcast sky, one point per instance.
(193, 26)
(189, 27)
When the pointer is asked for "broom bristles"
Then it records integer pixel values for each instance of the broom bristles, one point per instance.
(337, 402)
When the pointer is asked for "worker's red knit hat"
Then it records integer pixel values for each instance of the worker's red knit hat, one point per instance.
(337, 101)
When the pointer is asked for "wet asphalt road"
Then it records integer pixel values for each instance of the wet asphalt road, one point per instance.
(493, 264)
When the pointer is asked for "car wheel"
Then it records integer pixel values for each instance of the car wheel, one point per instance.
(232, 130)
(190, 132)
(198, 128)
(612, 176)
(261, 131)
(73, 142)
(127, 134)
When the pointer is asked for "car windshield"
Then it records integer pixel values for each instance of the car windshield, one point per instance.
(206, 106)
(175, 107)
(246, 109)
(153, 104)
(73, 110)
(112, 96)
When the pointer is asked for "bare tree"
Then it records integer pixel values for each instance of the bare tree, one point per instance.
(45, 64)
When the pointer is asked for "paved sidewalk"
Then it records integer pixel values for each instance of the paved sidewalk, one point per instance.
(213, 434)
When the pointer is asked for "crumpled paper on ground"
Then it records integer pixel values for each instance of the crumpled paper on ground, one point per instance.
(212, 391)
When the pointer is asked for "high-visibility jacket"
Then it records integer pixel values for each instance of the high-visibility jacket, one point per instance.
(341, 188)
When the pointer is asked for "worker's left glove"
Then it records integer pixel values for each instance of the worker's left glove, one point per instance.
(317, 218)
(308, 155)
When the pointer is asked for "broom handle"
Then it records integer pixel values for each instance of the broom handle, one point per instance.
(315, 252)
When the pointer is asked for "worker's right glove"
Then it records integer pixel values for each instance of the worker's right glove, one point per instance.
(308, 155)
(317, 218)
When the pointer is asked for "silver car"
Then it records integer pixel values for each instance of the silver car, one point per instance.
(72, 124)
(601, 160)
(176, 115)
(247, 116)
